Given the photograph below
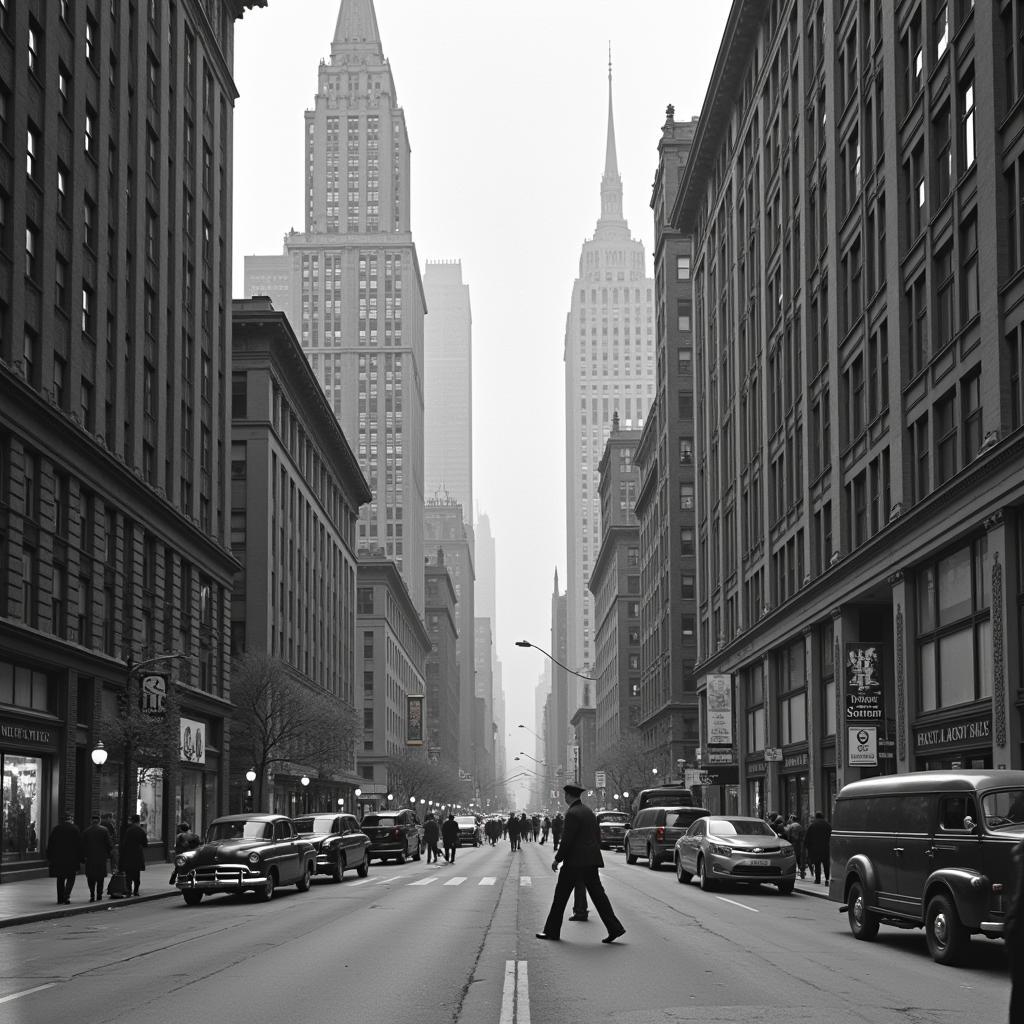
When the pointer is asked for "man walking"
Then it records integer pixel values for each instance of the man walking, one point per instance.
(132, 859)
(450, 837)
(816, 843)
(579, 854)
(96, 850)
(64, 853)
(431, 836)
(557, 824)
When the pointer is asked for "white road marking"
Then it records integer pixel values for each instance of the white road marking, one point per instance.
(515, 994)
(361, 881)
(489, 880)
(735, 904)
(424, 881)
(384, 881)
(27, 992)
(526, 880)
(457, 880)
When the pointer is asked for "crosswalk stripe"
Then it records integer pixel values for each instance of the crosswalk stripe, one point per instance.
(526, 880)
(424, 881)
(455, 881)
(360, 881)
(487, 881)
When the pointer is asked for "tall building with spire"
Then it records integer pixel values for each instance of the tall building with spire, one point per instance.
(609, 368)
(351, 286)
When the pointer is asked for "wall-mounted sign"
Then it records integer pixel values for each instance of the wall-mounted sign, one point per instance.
(192, 741)
(414, 720)
(961, 733)
(863, 682)
(18, 732)
(153, 694)
(720, 755)
(719, 698)
(600, 780)
(862, 743)
(773, 753)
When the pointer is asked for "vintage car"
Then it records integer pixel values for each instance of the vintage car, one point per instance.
(395, 834)
(613, 825)
(256, 852)
(340, 844)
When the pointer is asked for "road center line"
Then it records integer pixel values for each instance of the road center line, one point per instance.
(522, 994)
(753, 910)
(508, 994)
(515, 994)
(27, 992)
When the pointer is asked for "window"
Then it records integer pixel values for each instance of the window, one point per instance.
(88, 310)
(944, 315)
(942, 148)
(941, 30)
(945, 437)
(916, 191)
(90, 131)
(967, 137)
(31, 251)
(33, 152)
(63, 186)
(35, 34)
(970, 415)
(756, 734)
(682, 268)
(60, 283)
(969, 297)
(921, 450)
(91, 39)
(917, 319)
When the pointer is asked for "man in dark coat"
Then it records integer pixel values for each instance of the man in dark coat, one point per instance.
(132, 859)
(431, 837)
(107, 821)
(816, 843)
(579, 854)
(513, 831)
(96, 851)
(450, 837)
(64, 853)
(557, 824)
(1014, 934)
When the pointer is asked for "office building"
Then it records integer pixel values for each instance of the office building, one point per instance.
(441, 714)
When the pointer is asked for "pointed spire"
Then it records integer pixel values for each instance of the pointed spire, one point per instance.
(611, 183)
(356, 28)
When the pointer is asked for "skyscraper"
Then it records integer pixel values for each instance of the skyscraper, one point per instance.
(448, 385)
(355, 298)
(609, 368)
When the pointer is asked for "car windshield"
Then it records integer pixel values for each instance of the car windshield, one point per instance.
(238, 830)
(467, 821)
(1003, 809)
(315, 823)
(379, 819)
(739, 827)
(614, 817)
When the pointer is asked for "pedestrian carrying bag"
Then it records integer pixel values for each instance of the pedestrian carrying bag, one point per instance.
(117, 887)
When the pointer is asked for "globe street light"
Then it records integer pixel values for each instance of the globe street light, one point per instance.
(99, 754)
(250, 776)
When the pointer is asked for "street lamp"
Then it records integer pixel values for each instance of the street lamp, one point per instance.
(305, 793)
(250, 777)
(99, 754)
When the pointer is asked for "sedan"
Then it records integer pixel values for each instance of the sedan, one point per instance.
(340, 844)
(733, 849)
(470, 833)
(394, 834)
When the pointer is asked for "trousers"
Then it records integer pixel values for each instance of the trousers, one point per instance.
(568, 879)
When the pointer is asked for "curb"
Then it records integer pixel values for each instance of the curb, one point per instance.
(821, 894)
(85, 908)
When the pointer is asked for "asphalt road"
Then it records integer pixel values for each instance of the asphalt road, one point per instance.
(419, 944)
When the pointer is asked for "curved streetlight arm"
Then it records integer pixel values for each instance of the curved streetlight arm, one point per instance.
(141, 666)
(572, 672)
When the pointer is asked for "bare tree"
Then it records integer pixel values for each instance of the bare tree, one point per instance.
(413, 775)
(280, 720)
(626, 763)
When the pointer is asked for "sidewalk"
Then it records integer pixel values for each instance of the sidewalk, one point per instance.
(808, 887)
(35, 899)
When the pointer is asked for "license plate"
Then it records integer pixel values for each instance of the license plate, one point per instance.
(758, 862)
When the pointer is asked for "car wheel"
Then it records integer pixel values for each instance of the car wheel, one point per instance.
(193, 899)
(630, 857)
(947, 937)
(706, 883)
(266, 892)
(304, 882)
(785, 888)
(863, 923)
(683, 877)
(364, 869)
(652, 859)
(339, 868)
(400, 859)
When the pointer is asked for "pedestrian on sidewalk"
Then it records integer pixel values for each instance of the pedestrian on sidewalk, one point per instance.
(545, 828)
(184, 841)
(96, 851)
(431, 837)
(64, 854)
(1013, 924)
(795, 834)
(579, 854)
(450, 837)
(816, 844)
(557, 824)
(131, 858)
(107, 821)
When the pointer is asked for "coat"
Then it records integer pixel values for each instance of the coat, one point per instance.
(132, 858)
(450, 832)
(580, 845)
(431, 832)
(513, 826)
(64, 849)
(96, 850)
(816, 837)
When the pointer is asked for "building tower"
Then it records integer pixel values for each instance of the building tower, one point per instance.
(350, 284)
(609, 367)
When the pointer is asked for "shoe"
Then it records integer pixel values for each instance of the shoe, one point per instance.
(92, 899)
(578, 917)
(612, 936)
(551, 938)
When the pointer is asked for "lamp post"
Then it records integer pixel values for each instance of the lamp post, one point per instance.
(250, 778)
(304, 781)
(99, 754)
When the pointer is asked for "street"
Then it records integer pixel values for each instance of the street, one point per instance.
(442, 943)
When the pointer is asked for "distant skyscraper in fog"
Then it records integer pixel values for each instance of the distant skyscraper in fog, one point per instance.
(609, 368)
(448, 385)
(350, 283)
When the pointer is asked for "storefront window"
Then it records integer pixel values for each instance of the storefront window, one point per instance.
(23, 789)
(755, 709)
(755, 798)
(828, 680)
(149, 805)
(196, 799)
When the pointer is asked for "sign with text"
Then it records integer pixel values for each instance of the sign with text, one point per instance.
(862, 743)
(414, 720)
(720, 755)
(600, 780)
(192, 741)
(719, 698)
(153, 694)
(963, 732)
(773, 753)
(863, 682)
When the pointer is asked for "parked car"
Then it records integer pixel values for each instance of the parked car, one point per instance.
(733, 849)
(256, 852)
(470, 833)
(669, 795)
(396, 834)
(655, 830)
(340, 844)
(613, 825)
(927, 850)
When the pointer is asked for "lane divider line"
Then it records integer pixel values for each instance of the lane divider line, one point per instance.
(515, 994)
(27, 992)
(753, 910)
(508, 994)
(522, 994)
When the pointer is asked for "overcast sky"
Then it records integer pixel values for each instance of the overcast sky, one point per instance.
(506, 106)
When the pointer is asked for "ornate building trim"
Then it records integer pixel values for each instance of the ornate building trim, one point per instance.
(901, 700)
(998, 655)
(840, 717)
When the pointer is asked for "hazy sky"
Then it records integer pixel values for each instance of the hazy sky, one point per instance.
(506, 106)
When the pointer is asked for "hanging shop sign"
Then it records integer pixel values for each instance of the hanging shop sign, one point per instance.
(862, 743)
(414, 720)
(719, 704)
(192, 741)
(153, 694)
(863, 682)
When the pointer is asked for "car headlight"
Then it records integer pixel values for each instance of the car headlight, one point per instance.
(720, 851)
(254, 858)
(786, 850)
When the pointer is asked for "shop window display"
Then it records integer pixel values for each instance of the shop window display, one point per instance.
(23, 787)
